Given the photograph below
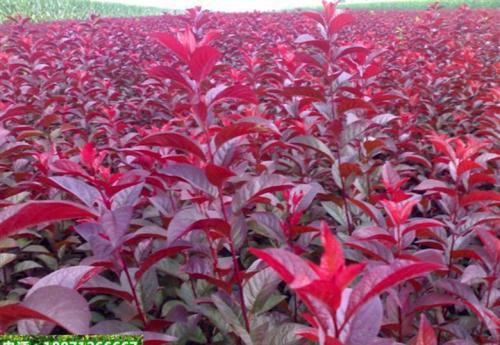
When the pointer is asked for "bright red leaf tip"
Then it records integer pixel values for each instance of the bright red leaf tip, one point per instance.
(203, 61)
(172, 43)
(88, 155)
(333, 257)
(217, 175)
(426, 335)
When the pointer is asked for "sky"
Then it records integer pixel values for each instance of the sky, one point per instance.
(224, 5)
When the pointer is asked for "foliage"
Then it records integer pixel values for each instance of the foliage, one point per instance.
(233, 179)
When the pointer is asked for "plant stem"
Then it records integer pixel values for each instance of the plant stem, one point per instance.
(450, 260)
(344, 197)
(236, 265)
(134, 292)
(400, 328)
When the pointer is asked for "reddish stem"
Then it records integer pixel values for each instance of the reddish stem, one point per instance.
(134, 292)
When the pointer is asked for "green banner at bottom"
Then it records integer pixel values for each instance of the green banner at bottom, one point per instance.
(71, 339)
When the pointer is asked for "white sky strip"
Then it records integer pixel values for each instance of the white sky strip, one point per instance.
(233, 5)
(223, 5)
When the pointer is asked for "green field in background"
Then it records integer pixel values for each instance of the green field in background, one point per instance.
(419, 4)
(41, 10)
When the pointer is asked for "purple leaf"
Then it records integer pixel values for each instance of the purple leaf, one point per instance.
(364, 325)
(115, 224)
(195, 176)
(465, 295)
(380, 278)
(182, 221)
(69, 277)
(127, 197)
(257, 186)
(89, 195)
(63, 305)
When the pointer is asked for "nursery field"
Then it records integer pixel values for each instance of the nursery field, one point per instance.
(286, 178)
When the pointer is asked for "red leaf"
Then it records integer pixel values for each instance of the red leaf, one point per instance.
(68, 167)
(32, 213)
(348, 274)
(409, 156)
(165, 72)
(369, 210)
(88, 155)
(100, 285)
(350, 103)
(238, 92)
(381, 278)
(340, 21)
(174, 140)
(211, 223)
(186, 226)
(434, 185)
(173, 44)
(479, 178)
(238, 129)
(399, 211)
(351, 49)
(297, 230)
(466, 165)
(480, 196)
(16, 110)
(292, 91)
(11, 313)
(333, 257)
(157, 256)
(426, 335)
(286, 264)
(324, 290)
(202, 62)
(155, 338)
(210, 36)
(322, 45)
(421, 223)
(371, 71)
(491, 244)
(217, 175)
(309, 333)
(316, 16)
